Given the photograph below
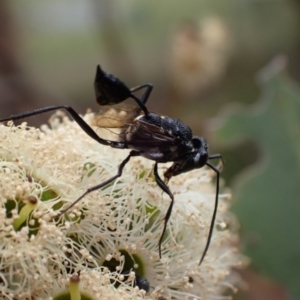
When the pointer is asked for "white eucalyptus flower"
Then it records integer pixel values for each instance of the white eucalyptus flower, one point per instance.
(111, 236)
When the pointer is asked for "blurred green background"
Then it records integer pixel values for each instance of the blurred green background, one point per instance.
(227, 68)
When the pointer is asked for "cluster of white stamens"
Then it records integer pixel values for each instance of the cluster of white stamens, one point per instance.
(110, 237)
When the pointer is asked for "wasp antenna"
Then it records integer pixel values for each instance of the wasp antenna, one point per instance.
(218, 156)
(213, 219)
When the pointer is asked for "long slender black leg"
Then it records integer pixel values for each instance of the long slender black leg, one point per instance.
(84, 126)
(163, 186)
(146, 94)
(213, 219)
(141, 102)
(101, 185)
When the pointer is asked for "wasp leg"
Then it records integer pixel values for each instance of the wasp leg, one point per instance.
(147, 93)
(141, 102)
(163, 186)
(84, 126)
(213, 219)
(101, 185)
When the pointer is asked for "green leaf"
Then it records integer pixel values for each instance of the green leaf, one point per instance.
(266, 197)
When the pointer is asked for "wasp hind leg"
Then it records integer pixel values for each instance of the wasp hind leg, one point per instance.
(83, 125)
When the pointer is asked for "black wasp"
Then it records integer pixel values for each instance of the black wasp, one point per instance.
(161, 139)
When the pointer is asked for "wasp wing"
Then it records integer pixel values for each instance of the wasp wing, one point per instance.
(157, 138)
(150, 134)
(115, 119)
(153, 141)
(116, 116)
